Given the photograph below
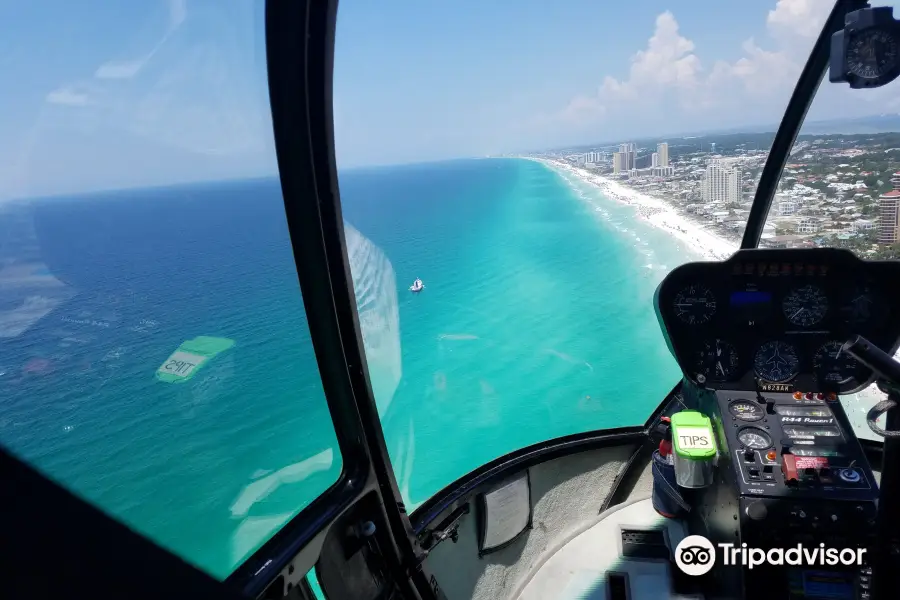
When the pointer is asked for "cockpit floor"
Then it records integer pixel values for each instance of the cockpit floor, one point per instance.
(579, 570)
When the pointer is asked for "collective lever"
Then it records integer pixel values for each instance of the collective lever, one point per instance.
(873, 357)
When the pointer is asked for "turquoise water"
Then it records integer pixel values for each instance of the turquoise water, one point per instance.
(536, 322)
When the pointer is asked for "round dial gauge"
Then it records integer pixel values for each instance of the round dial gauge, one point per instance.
(862, 305)
(755, 438)
(872, 54)
(746, 410)
(695, 304)
(805, 306)
(717, 360)
(776, 362)
(832, 365)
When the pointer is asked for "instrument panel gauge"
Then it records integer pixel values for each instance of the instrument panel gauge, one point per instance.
(776, 362)
(805, 306)
(754, 438)
(871, 54)
(862, 305)
(746, 410)
(717, 360)
(832, 365)
(695, 305)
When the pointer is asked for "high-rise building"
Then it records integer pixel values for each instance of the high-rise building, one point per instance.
(889, 214)
(618, 162)
(654, 159)
(628, 152)
(722, 182)
(663, 150)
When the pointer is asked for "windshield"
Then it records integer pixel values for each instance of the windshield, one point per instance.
(540, 258)
(154, 351)
(541, 179)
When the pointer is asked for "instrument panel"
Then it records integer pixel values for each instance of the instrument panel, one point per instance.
(777, 319)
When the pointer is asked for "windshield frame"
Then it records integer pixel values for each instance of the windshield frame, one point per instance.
(300, 58)
(794, 115)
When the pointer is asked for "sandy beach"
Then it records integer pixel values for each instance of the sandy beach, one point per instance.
(704, 242)
(709, 245)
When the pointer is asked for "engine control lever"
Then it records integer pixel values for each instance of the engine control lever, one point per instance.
(888, 370)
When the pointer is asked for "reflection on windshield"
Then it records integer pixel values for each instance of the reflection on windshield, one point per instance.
(166, 371)
(375, 287)
(28, 290)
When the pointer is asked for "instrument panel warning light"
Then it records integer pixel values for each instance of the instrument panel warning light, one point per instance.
(798, 395)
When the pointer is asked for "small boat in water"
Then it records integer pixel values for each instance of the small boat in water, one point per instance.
(417, 286)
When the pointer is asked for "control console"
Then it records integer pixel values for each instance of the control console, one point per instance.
(790, 472)
(759, 338)
(797, 445)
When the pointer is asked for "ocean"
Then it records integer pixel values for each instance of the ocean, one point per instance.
(536, 322)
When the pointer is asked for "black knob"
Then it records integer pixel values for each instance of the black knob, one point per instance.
(749, 455)
(757, 511)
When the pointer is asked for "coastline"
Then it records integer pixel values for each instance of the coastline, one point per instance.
(706, 244)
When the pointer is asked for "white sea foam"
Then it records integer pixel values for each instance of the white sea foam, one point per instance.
(706, 244)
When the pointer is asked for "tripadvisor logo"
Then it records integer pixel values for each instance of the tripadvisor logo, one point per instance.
(696, 555)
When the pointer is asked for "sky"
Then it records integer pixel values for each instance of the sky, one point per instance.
(98, 95)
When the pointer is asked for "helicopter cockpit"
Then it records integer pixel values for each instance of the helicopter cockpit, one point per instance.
(752, 478)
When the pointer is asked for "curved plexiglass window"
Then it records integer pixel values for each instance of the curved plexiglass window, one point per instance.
(600, 158)
(154, 353)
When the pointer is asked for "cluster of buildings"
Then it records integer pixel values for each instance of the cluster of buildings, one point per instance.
(655, 164)
(823, 196)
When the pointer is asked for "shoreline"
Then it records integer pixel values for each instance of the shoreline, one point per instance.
(708, 245)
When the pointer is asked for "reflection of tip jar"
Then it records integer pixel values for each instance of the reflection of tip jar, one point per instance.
(190, 357)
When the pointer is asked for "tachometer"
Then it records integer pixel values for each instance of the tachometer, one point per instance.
(805, 306)
(832, 365)
(746, 410)
(776, 362)
(755, 438)
(717, 360)
(695, 304)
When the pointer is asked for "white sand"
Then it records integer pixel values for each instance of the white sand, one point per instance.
(705, 243)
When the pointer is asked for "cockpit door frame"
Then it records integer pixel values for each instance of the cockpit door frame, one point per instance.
(794, 115)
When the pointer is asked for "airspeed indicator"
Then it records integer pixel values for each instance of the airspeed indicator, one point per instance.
(805, 306)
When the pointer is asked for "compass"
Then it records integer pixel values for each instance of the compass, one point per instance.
(865, 53)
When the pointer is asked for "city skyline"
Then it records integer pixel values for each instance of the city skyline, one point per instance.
(835, 190)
